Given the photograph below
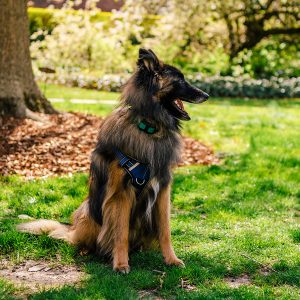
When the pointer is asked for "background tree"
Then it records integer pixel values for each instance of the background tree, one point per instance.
(19, 93)
(233, 25)
(249, 21)
(255, 38)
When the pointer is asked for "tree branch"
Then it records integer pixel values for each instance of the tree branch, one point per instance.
(250, 43)
(270, 14)
(281, 31)
(268, 4)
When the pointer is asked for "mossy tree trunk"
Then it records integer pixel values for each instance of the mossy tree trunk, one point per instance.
(19, 93)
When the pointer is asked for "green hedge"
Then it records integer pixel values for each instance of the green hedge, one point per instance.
(274, 87)
(43, 18)
(217, 86)
(40, 19)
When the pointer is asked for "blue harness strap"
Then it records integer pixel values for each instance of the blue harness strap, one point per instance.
(139, 172)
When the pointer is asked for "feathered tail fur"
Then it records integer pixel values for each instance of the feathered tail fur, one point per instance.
(54, 229)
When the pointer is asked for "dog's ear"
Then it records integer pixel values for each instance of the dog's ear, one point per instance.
(148, 59)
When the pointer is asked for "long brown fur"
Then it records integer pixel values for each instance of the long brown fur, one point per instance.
(117, 218)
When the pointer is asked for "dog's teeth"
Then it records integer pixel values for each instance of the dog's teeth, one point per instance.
(179, 104)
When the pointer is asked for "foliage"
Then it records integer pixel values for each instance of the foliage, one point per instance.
(226, 86)
(196, 36)
(249, 21)
(271, 57)
(78, 43)
(44, 19)
(110, 83)
(192, 27)
(216, 86)
(227, 221)
(41, 20)
(90, 41)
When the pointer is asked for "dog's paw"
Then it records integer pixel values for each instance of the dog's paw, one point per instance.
(124, 269)
(174, 261)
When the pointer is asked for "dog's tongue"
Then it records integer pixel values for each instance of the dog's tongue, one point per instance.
(179, 104)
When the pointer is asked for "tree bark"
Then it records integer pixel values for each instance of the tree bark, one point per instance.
(18, 89)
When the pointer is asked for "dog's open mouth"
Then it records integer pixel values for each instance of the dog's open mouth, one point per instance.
(178, 110)
(179, 104)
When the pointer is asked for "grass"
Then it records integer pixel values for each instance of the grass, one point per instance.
(241, 217)
(68, 93)
(58, 91)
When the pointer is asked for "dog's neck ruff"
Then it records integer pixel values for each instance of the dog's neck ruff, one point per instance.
(146, 127)
(139, 172)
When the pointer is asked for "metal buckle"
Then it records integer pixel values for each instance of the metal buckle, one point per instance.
(133, 166)
(136, 180)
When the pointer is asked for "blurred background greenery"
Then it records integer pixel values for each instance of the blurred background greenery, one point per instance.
(254, 43)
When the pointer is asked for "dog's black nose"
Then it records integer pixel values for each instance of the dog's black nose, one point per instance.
(205, 96)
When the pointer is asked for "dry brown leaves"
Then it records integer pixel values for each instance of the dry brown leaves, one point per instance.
(63, 146)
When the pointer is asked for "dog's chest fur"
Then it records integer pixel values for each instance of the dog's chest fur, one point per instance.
(161, 151)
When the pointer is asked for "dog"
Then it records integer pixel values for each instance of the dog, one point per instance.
(128, 205)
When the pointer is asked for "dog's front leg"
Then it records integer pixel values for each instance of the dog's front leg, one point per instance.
(163, 220)
(122, 209)
(116, 210)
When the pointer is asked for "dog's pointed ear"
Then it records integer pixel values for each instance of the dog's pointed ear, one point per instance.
(148, 59)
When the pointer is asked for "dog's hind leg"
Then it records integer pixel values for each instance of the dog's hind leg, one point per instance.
(163, 220)
(84, 230)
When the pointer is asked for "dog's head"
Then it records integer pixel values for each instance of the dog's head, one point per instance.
(167, 84)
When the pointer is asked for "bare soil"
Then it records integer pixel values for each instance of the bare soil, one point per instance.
(235, 282)
(36, 275)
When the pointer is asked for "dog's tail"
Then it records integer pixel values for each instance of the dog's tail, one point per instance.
(54, 229)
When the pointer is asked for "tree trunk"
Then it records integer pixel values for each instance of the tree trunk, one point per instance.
(19, 92)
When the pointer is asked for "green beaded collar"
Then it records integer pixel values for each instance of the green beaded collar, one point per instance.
(146, 127)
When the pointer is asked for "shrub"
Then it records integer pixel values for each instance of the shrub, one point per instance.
(271, 57)
(44, 19)
(246, 87)
(78, 43)
(93, 41)
(41, 19)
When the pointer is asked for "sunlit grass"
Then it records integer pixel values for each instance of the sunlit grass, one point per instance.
(59, 91)
(241, 217)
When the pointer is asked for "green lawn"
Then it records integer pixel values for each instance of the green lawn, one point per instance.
(57, 91)
(241, 217)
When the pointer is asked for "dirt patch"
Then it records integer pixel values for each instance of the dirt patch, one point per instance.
(235, 282)
(63, 145)
(36, 275)
(186, 285)
(149, 295)
(266, 271)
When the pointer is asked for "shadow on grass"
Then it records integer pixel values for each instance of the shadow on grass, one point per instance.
(204, 274)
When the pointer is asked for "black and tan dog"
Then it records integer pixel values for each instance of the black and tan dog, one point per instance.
(128, 206)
